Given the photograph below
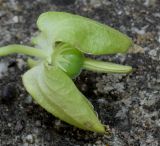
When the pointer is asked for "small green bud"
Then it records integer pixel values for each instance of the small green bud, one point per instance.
(69, 59)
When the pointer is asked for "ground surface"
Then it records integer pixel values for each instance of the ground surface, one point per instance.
(129, 104)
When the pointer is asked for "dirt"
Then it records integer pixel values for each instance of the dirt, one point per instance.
(128, 104)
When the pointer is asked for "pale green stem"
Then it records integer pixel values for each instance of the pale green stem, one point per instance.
(105, 67)
(11, 49)
(31, 63)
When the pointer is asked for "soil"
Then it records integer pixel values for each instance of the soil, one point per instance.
(128, 104)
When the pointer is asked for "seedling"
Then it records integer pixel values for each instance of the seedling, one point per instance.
(59, 57)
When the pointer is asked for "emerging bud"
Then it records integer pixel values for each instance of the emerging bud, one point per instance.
(69, 59)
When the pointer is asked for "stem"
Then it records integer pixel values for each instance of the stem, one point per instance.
(105, 67)
(31, 63)
(11, 49)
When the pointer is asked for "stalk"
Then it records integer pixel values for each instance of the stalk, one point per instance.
(11, 49)
(105, 67)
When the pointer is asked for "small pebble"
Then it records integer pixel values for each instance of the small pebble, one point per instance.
(15, 19)
(20, 64)
(9, 93)
(38, 123)
(30, 139)
(3, 69)
(19, 126)
(28, 100)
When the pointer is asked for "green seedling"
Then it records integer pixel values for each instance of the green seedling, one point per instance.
(59, 57)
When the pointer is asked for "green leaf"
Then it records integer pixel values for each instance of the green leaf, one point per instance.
(56, 93)
(84, 34)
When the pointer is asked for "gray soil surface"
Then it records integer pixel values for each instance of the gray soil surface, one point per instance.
(128, 104)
